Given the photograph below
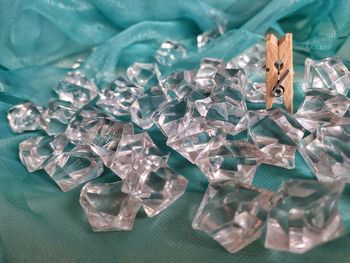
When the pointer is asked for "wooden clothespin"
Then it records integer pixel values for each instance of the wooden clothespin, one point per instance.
(279, 70)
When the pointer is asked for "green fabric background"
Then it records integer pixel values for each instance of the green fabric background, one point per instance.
(38, 42)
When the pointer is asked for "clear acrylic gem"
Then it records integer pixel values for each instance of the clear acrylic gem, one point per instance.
(274, 126)
(281, 155)
(143, 109)
(76, 89)
(207, 36)
(57, 115)
(327, 154)
(329, 73)
(252, 60)
(34, 151)
(169, 118)
(169, 52)
(225, 107)
(24, 117)
(150, 179)
(84, 125)
(178, 85)
(107, 208)
(304, 216)
(117, 97)
(105, 139)
(233, 214)
(70, 169)
(321, 108)
(129, 147)
(192, 136)
(143, 74)
(223, 160)
(210, 74)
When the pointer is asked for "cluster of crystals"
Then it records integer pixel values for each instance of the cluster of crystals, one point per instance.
(300, 216)
(206, 118)
(84, 136)
(147, 181)
(206, 112)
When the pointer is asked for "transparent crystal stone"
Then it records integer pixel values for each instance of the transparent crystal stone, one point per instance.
(192, 136)
(274, 126)
(76, 89)
(105, 138)
(57, 115)
(144, 109)
(129, 147)
(152, 180)
(304, 216)
(327, 154)
(86, 119)
(70, 169)
(225, 107)
(233, 214)
(207, 36)
(169, 52)
(143, 74)
(252, 60)
(107, 208)
(24, 117)
(211, 73)
(329, 73)
(321, 108)
(281, 155)
(34, 151)
(178, 85)
(223, 160)
(117, 97)
(169, 118)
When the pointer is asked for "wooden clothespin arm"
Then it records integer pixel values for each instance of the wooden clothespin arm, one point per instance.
(279, 70)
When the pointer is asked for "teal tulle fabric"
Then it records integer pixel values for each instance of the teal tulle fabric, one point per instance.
(39, 40)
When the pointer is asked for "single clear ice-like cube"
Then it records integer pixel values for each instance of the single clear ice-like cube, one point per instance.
(107, 208)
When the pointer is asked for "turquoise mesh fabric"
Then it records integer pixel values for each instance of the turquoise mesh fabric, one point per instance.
(39, 39)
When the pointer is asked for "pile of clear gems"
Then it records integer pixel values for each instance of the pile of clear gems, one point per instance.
(207, 117)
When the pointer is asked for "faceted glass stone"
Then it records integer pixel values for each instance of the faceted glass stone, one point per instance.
(321, 108)
(24, 117)
(76, 89)
(304, 216)
(233, 214)
(210, 74)
(169, 118)
(144, 109)
(129, 147)
(274, 126)
(192, 137)
(222, 160)
(328, 153)
(57, 115)
(224, 108)
(84, 124)
(204, 38)
(252, 60)
(281, 155)
(169, 52)
(178, 85)
(150, 179)
(70, 169)
(34, 151)
(143, 74)
(329, 73)
(117, 97)
(105, 139)
(107, 208)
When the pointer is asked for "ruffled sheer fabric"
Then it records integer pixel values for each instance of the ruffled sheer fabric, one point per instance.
(39, 40)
